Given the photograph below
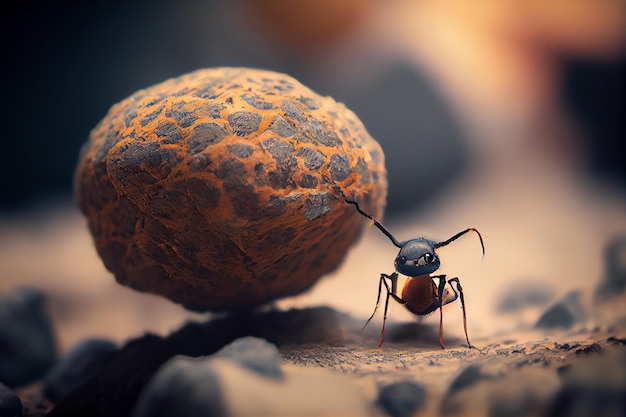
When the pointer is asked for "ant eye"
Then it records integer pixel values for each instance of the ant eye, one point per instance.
(402, 260)
(425, 259)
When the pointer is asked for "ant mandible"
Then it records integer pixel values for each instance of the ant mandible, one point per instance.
(417, 259)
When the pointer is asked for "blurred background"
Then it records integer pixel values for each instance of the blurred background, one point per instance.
(505, 115)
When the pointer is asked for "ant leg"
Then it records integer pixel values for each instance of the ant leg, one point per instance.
(394, 286)
(382, 332)
(458, 286)
(394, 279)
(440, 288)
(390, 293)
(380, 287)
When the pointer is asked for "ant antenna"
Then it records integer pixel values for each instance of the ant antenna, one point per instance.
(458, 235)
(377, 224)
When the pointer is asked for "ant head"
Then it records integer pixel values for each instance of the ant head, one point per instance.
(417, 257)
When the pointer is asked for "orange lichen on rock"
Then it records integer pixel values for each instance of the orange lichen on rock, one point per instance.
(223, 188)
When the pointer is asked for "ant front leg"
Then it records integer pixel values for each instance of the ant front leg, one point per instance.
(440, 288)
(390, 293)
(460, 289)
(444, 298)
(380, 287)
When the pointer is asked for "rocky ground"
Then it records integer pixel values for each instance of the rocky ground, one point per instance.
(567, 370)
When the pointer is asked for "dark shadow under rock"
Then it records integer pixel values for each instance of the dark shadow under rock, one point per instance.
(115, 389)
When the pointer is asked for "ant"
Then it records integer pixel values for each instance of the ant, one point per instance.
(417, 259)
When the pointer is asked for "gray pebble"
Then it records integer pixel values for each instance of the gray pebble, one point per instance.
(27, 344)
(402, 399)
(81, 363)
(255, 354)
(468, 377)
(183, 386)
(564, 314)
(10, 404)
(556, 316)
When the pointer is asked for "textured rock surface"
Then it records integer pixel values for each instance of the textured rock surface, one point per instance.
(222, 188)
(27, 343)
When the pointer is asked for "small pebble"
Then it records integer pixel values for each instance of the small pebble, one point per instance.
(616, 341)
(555, 316)
(564, 314)
(183, 386)
(402, 399)
(255, 354)
(10, 404)
(468, 377)
(27, 344)
(80, 364)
